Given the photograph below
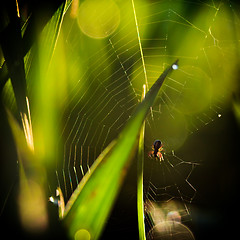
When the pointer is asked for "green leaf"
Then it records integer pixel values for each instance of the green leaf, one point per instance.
(16, 42)
(15, 47)
(140, 203)
(236, 108)
(11, 43)
(31, 192)
(39, 61)
(89, 206)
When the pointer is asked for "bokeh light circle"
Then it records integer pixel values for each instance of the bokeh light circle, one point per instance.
(98, 19)
(197, 91)
(82, 234)
(170, 129)
(170, 230)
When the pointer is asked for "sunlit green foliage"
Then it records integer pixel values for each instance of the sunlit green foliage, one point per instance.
(38, 64)
(92, 201)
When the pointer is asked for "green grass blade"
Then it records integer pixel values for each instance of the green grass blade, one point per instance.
(31, 199)
(14, 49)
(49, 37)
(3, 75)
(236, 109)
(88, 208)
(11, 44)
(140, 165)
(32, 28)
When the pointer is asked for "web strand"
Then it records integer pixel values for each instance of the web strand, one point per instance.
(108, 86)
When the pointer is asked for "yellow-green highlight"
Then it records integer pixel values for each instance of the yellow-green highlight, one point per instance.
(49, 74)
(140, 167)
(98, 19)
(32, 204)
(236, 110)
(82, 234)
(210, 45)
(196, 93)
(31, 197)
(8, 97)
(171, 129)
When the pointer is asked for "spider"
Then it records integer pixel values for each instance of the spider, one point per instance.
(156, 150)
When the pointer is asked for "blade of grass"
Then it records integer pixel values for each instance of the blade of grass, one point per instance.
(236, 109)
(49, 36)
(11, 43)
(3, 75)
(36, 23)
(140, 165)
(91, 202)
(32, 28)
(44, 99)
(31, 190)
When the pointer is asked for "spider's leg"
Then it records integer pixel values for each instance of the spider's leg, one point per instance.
(160, 156)
(150, 154)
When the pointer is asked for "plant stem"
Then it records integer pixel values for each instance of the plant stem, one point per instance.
(140, 203)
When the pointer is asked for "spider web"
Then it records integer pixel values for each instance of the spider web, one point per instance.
(106, 82)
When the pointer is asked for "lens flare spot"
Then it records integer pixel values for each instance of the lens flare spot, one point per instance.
(82, 234)
(196, 94)
(174, 216)
(98, 19)
(167, 221)
(171, 230)
(172, 130)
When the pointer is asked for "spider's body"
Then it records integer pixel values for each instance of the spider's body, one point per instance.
(156, 150)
